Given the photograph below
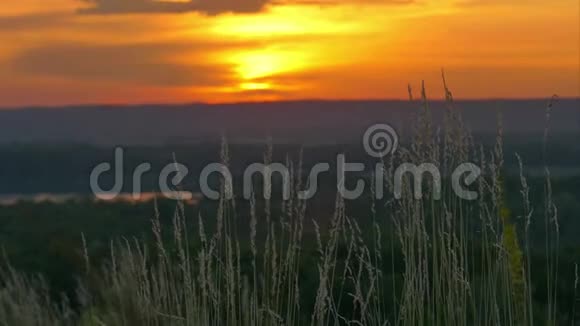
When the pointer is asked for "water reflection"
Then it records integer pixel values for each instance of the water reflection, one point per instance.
(14, 199)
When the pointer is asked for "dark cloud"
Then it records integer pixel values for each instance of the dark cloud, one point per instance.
(210, 7)
(23, 22)
(137, 64)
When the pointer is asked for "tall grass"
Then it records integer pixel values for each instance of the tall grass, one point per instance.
(465, 262)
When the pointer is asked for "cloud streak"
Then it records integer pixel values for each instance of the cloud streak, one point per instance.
(31, 21)
(209, 7)
(134, 64)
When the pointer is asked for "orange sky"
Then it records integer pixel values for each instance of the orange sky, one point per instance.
(136, 51)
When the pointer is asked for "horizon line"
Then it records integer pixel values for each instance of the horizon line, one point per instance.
(265, 102)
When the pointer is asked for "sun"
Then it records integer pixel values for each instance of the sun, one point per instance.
(259, 64)
(254, 67)
(250, 86)
(272, 52)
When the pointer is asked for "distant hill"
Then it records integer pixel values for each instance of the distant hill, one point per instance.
(304, 122)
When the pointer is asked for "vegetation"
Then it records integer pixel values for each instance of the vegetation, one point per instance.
(407, 262)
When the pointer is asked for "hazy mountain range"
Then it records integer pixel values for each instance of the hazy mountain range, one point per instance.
(305, 122)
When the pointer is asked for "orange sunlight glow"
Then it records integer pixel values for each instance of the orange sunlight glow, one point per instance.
(291, 49)
(281, 43)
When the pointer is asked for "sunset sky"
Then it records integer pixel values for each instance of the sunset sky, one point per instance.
(57, 52)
